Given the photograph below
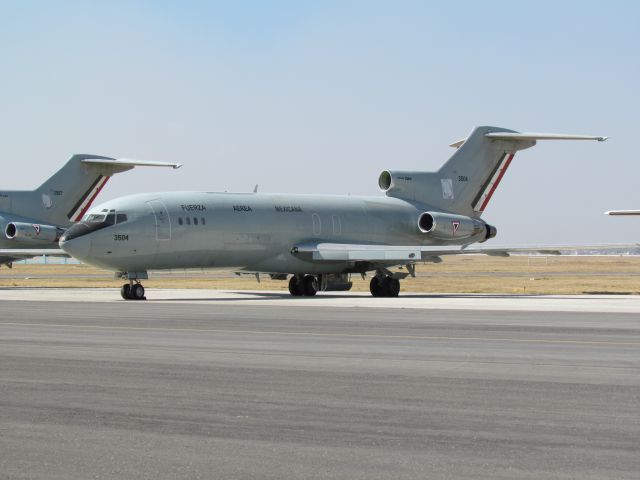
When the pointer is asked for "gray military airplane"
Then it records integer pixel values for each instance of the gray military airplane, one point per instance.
(319, 240)
(33, 221)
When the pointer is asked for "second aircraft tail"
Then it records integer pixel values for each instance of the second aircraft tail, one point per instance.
(68, 193)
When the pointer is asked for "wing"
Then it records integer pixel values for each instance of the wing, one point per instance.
(397, 254)
(8, 255)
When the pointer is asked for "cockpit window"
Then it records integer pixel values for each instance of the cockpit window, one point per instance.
(94, 218)
(108, 219)
(94, 221)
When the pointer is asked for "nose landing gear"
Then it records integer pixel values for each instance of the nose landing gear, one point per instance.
(132, 291)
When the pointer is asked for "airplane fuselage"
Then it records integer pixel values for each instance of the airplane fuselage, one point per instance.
(252, 232)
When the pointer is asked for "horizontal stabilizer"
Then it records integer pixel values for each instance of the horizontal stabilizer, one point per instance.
(540, 136)
(127, 162)
(622, 212)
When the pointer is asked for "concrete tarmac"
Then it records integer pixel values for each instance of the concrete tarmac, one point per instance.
(271, 388)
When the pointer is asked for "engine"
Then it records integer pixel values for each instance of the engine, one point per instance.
(446, 226)
(400, 184)
(33, 232)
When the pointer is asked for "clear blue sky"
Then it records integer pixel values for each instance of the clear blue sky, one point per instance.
(321, 96)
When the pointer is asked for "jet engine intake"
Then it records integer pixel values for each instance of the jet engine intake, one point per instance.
(401, 184)
(446, 226)
(32, 232)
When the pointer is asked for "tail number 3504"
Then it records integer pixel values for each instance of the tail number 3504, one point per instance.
(119, 237)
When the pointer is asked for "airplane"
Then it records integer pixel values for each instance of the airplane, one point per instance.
(316, 241)
(32, 221)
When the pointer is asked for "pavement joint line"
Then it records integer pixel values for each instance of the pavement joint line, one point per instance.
(348, 335)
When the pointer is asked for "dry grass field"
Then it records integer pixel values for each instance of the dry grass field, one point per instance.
(456, 274)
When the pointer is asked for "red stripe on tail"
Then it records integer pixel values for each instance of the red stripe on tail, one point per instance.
(497, 182)
(93, 197)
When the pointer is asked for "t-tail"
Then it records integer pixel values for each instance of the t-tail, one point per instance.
(67, 195)
(466, 182)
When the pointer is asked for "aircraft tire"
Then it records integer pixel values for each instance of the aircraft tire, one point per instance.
(137, 292)
(385, 286)
(125, 291)
(309, 286)
(295, 289)
(393, 286)
(375, 287)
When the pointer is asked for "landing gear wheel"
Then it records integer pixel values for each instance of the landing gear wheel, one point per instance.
(384, 286)
(393, 286)
(137, 292)
(309, 285)
(125, 291)
(375, 287)
(295, 287)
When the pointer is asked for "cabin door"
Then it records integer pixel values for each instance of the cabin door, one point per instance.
(163, 222)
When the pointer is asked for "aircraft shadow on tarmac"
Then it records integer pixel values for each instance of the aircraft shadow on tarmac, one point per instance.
(285, 296)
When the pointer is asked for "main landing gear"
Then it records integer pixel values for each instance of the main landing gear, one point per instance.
(384, 286)
(132, 291)
(306, 285)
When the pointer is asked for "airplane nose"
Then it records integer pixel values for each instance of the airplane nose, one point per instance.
(76, 247)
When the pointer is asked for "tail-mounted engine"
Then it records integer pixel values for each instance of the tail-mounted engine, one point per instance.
(32, 232)
(450, 227)
(400, 184)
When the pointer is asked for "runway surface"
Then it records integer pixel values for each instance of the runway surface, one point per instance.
(273, 388)
(281, 298)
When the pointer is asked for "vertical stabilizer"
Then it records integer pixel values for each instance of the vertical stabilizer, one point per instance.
(67, 194)
(467, 181)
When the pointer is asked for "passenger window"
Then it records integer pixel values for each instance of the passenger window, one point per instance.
(121, 218)
(179, 220)
(188, 221)
(202, 220)
(195, 220)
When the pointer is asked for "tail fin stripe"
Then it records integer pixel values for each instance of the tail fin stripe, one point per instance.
(80, 208)
(494, 180)
(82, 199)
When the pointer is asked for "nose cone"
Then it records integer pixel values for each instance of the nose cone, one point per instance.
(77, 247)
